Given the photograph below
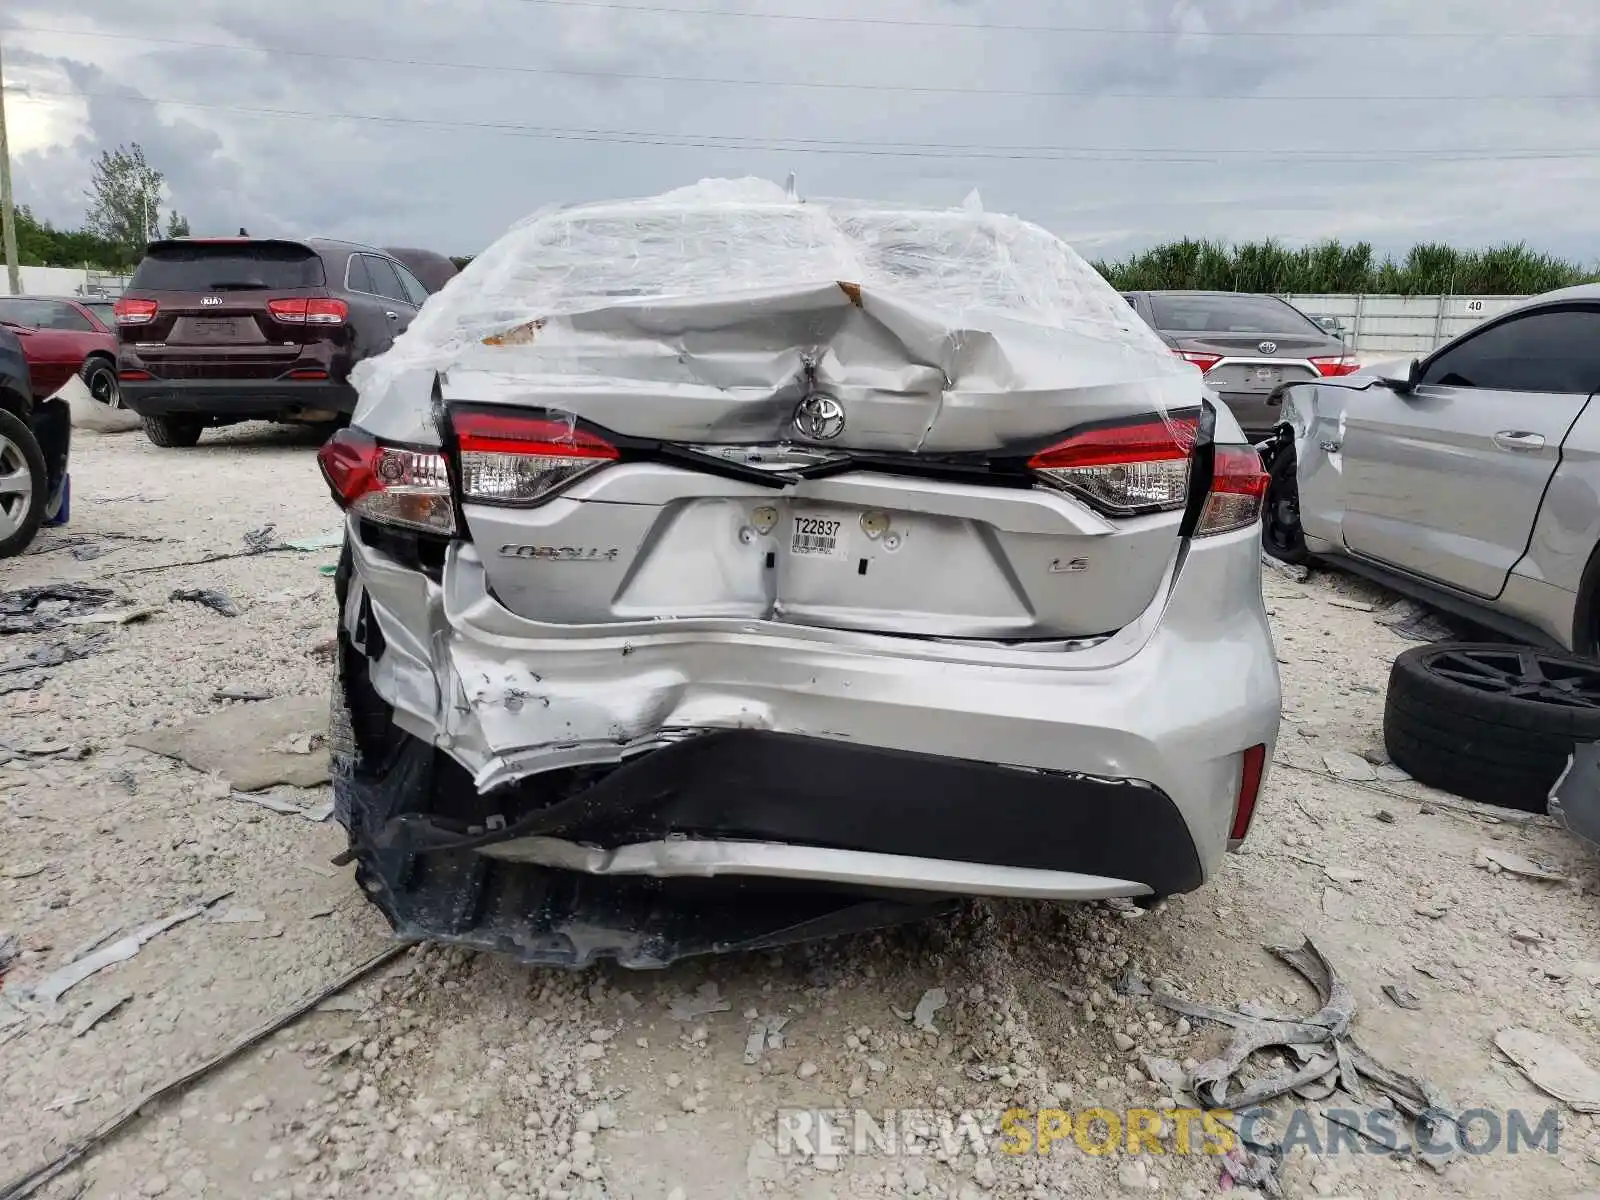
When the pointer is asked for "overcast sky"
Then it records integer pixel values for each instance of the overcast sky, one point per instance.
(1119, 126)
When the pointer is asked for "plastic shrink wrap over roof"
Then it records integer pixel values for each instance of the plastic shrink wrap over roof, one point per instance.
(709, 311)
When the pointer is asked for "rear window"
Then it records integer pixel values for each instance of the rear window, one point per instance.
(1228, 314)
(218, 267)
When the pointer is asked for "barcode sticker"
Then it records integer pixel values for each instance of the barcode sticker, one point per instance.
(817, 537)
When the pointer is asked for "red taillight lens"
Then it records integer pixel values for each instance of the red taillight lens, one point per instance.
(509, 458)
(134, 312)
(133, 376)
(308, 373)
(1204, 361)
(1341, 365)
(313, 310)
(389, 484)
(1238, 485)
(1133, 467)
(1244, 807)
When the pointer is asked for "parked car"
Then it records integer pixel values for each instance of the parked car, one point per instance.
(723, 570)
(1246, 346)
(433, 269)
(214, 331)
(35, 439)
(65, 337)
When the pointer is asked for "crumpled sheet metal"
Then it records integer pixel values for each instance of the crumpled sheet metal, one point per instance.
(1326, 1052)
(711, 311)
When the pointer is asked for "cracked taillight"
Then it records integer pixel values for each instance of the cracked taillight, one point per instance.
(1124, 468)
(392, 485)
(514, 458)
(1238, 486)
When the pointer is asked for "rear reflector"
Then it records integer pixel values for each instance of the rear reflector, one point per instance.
(134, 312)
(1244, 807)
(1238, 485)
(133, 376)
(388, 484)
(308, 373)
(309, 310)
(510, 458)
(1133, 467)
(1341, 365)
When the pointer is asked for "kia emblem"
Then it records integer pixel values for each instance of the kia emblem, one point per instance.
(211, 301)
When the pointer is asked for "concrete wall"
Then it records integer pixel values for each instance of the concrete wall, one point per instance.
(1398, 326)
(64, 281)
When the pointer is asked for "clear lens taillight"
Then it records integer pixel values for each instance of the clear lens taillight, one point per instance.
(1334, 366)
(134, 312)
(1199, 358)
(1238, 486)
(309, 310)
(511, 458)
(389, 484)
(1123, 469)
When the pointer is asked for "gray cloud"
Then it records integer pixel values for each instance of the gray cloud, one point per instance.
(455, 187)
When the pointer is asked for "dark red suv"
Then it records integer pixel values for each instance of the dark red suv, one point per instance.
(213, 331)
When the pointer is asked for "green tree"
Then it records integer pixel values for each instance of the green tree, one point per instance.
(125, 201)
(177, 226)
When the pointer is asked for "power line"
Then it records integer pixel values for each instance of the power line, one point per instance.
(594, 73)
(1008, 27)
(897, 149)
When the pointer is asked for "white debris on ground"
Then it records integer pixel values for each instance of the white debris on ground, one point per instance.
(451, 1074)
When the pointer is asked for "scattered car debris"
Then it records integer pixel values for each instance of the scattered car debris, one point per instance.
(1352, 605)
(55, 985)
(331, 540)
(259, 541)
(99, 1011)
(707, 999)
(766, 1033)
(1294, 572)
(1323, 1045)
(26, 871)
(313, 812)
(20, 608)
(1343, 876)
(214, 600)
(932, 1001)
(116, 616)
(56, 654)
(1495, 859)
(1349, 766)
(241, 691)
(234, 743)
(1402, 996)
(27, 1184)
(1416, 622)
(1552, 1068)
(21, 683)
(87, 552)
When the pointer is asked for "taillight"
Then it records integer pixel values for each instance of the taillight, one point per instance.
(1238, 485)
(309, 310)
(1342, 364)
(388, 484)
(512, 458)
(1204, 361)
(1244, 806)
(134, 312)
(133, 376)
(1133, 467)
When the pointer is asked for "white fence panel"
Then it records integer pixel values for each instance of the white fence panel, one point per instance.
(64, 281)
(1393, 326)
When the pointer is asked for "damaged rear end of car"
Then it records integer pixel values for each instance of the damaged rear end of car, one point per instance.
(724, 570)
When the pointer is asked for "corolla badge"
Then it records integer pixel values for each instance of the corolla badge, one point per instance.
(819, 417)
(1268, 347)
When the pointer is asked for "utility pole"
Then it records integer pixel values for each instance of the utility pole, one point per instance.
(8, 214)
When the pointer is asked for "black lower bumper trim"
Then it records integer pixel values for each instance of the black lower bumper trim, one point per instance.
(237, 400)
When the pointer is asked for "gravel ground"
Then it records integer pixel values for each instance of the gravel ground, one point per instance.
(449, 1074)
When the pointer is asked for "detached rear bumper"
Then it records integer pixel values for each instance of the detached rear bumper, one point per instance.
(237, 400)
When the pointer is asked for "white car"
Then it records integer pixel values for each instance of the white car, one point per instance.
(724, 569)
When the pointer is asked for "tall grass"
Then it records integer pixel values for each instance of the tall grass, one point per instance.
(1332, 267)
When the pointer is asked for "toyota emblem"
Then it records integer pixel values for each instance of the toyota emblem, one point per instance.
(1268, 347)
(820, 418)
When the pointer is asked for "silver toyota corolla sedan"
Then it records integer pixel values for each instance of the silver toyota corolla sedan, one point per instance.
(1469, 478)
(724, 570)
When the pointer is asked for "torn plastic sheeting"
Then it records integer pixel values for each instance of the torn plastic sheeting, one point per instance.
(715, 307)
(55, 985)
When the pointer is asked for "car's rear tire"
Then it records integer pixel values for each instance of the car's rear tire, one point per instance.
(173, 432)
(1490, 721)
(1281, 535)
(24, 485)
(100, 377)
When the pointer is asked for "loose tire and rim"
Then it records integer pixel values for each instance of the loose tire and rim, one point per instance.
(173, 432)
(1490, 722)
(24, 485)
(100, 377)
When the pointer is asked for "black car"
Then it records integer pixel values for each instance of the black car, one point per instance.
(213, 331)
(34, 442)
